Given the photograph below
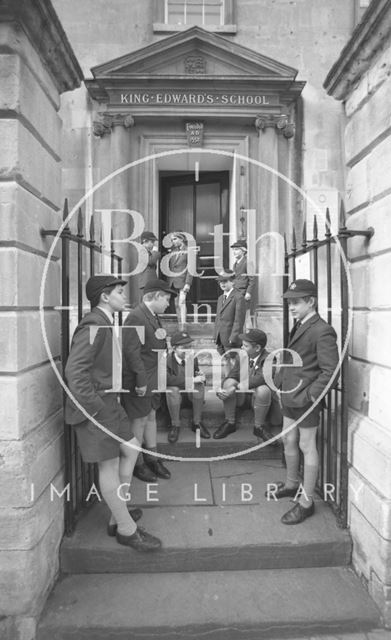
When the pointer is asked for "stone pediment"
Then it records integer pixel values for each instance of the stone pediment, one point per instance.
(206, 69)
(194, 52)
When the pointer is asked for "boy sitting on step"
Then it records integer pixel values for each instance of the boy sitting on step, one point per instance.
(258, 397)
(176, 384)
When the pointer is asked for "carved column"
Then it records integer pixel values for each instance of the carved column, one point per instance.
(270, 257)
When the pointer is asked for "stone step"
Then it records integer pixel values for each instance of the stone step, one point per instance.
(218, 605)
(210, 517)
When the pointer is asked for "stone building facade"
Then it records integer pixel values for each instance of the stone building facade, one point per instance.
(360, 79)
(37, 65)
(61, 147)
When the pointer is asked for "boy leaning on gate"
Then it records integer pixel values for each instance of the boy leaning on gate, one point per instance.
(89, 376)
(313, 343)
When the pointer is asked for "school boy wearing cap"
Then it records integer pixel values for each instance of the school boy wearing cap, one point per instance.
(243, 282)
(181, 281)
(176, 384)
(315, 342)
(259, 396)
(148, 240)
(89, 377)
(140, 374)
(230, 314)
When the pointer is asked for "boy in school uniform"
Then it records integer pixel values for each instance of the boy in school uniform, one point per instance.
(140, 375)
(89, 376)
(258, 397)
(230, 314)
(315, 341)
(148, 240)
(243, 282)
(176, 383)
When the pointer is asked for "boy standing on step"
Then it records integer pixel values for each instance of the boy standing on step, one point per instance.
(89, 376)
(315, 342)
(230, 314)
(140, 374)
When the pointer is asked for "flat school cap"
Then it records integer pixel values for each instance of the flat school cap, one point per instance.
(180, 337)
(228, 274)
(254, 335)
(300, 289)
(158, 285)
(239, 244)
(96, 284)
(148, 235)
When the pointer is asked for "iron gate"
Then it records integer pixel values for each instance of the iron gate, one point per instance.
(326, 257)
(79, 260)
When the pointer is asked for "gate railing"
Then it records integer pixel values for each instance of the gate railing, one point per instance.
(79, 260)
(327, 264)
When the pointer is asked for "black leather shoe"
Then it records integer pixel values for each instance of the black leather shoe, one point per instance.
(204, 433)
(224, 430)
(135, 514)
(173, 434)
(281, 492)
(140, 540)
(264, 435)
(298, 514)
(158, 468)
(144, 473)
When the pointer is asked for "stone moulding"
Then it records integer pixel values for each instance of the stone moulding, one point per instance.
(41, 24)
(355, 58)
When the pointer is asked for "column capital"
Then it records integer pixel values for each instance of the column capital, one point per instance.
(107, 121)
(278, 122)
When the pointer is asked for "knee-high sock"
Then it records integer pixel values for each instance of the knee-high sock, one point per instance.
(309, 483)
(150, 430)
(292, 459)
(262, 401)
(174, 399)
(138, 426)
(108, 482)
(198, 402)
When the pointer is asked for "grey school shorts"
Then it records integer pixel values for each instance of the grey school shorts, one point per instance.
(95, 444)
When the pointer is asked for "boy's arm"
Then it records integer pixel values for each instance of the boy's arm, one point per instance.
(153, 258)
(131, 351)
(79, 365)
(328, 360)
(240, 315)
(251, 281)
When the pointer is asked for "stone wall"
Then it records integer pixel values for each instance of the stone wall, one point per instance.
(36, 65)
(362, 78)
(305, 35)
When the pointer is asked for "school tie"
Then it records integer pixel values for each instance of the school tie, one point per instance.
(296, 326)
(251, 363)
(183, 362)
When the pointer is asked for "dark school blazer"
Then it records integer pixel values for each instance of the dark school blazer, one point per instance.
(150, 271)
(255, 373)
(230, 317)
(139, 361)
(315, 342)
(177, 263)
(176, 373)
(243, 282)
(89, 369)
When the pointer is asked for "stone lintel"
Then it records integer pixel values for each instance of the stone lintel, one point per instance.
(355, 58)
(41, 24)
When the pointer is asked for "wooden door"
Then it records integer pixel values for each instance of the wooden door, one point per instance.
(196, 207)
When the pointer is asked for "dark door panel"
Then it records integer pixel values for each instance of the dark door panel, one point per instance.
(196, 207)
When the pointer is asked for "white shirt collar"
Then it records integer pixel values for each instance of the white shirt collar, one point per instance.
(226, 293)
(308, 316)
